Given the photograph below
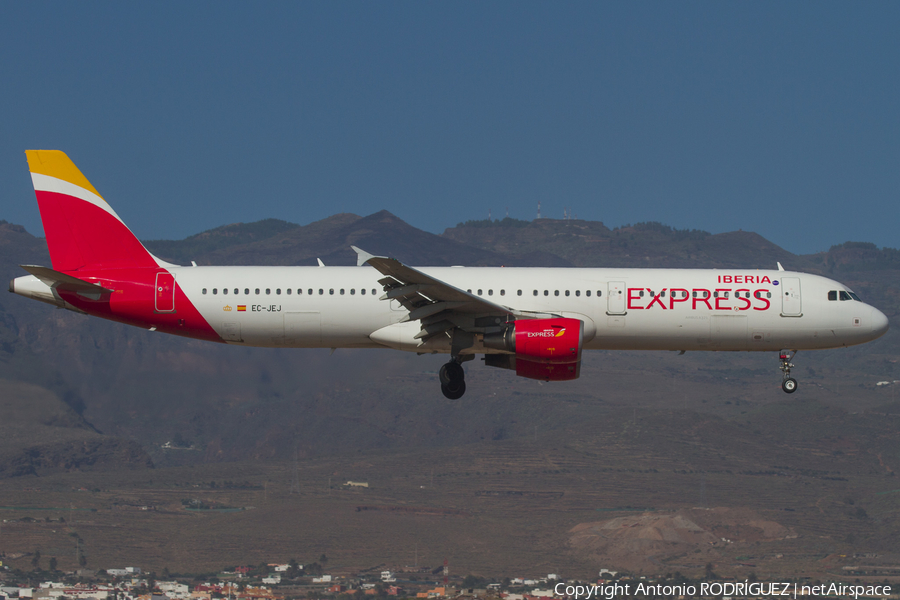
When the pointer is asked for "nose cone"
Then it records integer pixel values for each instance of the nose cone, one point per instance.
(879, 323)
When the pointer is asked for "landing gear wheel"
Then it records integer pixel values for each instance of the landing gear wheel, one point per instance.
(452, 371)
(454, 390)
(788, 383)
(453, 380)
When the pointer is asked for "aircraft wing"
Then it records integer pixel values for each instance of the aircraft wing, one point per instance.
(437, 304)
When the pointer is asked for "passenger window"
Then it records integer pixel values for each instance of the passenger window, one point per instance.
(342, 291)
(225, 291)
(519, 293)
(204, 290)
(257, 291)
(309, 291)
(236, 291)
(268, 291)
(246, 291)
(663, 294)
(768, 294)
(642, 293)
(479, 292)
(278, 292)
(715, 294)
(694, 294)
(502, 292)
(845, 296)
(352, 291)
(535, 292)
(331, 292)
(490, 292)
(321, 291)
(288, 291)
(468, 291)
(373, 291)
(577, 293)
(556, 292)
(832, 295)
(215, 291)
(588, 293)
(567, 292)
(600, 293)
(362, 291)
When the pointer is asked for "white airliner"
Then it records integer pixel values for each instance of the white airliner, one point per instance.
(535, 321)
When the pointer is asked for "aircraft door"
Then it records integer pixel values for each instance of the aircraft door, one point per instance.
(165, 293)
(615, 298)
(790, 297)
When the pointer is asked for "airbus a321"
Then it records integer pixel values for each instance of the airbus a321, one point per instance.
(534, 321)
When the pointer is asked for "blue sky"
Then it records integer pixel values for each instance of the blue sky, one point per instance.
(780, 118)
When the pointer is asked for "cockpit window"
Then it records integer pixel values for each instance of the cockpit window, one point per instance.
(832, 295)
(845, 296)
(855, 297)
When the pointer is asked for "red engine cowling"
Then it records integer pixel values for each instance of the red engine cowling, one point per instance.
(547, 371)
(547, 349)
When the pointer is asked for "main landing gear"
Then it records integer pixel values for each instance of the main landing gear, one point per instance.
(453, 379)
(788, 383)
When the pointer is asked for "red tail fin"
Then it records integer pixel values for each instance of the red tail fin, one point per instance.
(82, 230)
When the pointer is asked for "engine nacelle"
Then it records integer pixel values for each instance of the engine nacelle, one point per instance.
(547, 349)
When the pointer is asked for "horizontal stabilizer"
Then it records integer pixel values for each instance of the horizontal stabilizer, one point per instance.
(64, 282)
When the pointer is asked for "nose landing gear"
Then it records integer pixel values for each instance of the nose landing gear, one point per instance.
(788, 383)
(453, 380)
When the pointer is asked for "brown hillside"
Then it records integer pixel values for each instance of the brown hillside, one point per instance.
(40, 434)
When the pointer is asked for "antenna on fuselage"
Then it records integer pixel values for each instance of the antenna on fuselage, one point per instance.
(780, 268)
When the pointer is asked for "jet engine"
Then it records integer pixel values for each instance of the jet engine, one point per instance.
(546, 349)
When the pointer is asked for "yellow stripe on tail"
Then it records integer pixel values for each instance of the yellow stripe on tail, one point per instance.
(55, 163)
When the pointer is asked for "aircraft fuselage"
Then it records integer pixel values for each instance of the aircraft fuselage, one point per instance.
(636, 309)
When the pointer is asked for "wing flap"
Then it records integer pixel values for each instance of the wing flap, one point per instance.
(413, 288)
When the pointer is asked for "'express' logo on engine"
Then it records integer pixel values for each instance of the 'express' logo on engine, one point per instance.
(547, 333)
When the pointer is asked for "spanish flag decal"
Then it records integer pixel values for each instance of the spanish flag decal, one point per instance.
(242, 308)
